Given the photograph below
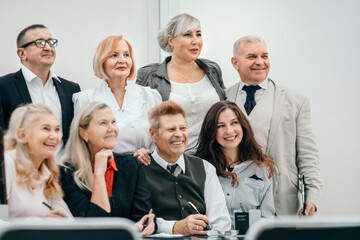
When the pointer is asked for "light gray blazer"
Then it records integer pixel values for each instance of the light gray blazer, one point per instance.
(291, 144)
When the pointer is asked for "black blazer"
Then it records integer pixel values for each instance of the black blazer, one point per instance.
(14, 92)
(131, 198)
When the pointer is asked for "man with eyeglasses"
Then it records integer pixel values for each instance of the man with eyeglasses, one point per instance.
(35, 82)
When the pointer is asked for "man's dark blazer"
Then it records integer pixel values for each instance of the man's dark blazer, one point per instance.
(131, 197)
(14, 92)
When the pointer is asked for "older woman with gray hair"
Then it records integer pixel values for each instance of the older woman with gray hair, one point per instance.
(98, 182)
(184, 78)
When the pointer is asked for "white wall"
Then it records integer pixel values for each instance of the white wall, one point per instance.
(80, 25)
(314, 48)
(313, 44)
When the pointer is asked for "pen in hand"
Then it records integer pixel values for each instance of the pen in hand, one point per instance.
(47, 205)
(303, 194)
(147, 219)
(208, 226)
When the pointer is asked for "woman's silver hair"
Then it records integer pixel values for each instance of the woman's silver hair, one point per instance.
(179, 24)
(248, 38)
(77, 154)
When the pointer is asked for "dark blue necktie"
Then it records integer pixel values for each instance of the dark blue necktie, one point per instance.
(250, 97)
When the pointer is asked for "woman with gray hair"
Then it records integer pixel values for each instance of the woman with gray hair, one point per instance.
(98, 182)
(32, 175)
(193, 83)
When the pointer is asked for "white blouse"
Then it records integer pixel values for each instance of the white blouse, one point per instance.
(196, 99)
(132, 119)
(26, 202)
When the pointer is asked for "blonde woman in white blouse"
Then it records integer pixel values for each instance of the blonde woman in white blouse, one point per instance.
(114, 63)
(32, 176)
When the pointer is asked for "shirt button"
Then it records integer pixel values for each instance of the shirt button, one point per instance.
(176, 182)
(182, 209)
(180, 196)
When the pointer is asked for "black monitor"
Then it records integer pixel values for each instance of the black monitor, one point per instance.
(306, 228)
(69, 229)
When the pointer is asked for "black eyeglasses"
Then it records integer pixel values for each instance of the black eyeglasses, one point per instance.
(40, 43)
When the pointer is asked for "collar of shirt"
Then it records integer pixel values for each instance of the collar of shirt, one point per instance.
(263, 84)
(244, 165)
(111, 165)
(163, 163)
(131, 97)
(29, 75)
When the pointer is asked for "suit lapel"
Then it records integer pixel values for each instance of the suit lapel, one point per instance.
(20, 83)
(277, 114)
(232, 92)
(62, 98)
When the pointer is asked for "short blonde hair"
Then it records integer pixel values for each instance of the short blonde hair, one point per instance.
(24, 117)
(179, 24)
(104, 50)
(164, 108)
(77, 154)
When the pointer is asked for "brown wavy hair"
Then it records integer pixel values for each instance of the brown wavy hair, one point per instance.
(209, 149)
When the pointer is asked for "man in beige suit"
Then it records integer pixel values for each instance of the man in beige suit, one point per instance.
(281, 122)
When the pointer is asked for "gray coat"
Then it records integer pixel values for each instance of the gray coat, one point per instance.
(155, 76)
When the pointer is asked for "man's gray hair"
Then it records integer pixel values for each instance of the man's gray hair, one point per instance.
(248, 38)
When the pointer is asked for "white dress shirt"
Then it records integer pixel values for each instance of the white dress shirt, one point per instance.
(215, 203)
(131, 118)
(196, 99)
(258, 93)
(45, 94)
(252, 192)
(26, 202)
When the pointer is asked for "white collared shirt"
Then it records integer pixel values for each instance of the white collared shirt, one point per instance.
(216, 209)
(45, 94)
(258, 93)
(24, 201)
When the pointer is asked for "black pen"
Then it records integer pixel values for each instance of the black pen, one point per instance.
(208, 226)
(303, 194)
(147, 220)
(47, 205)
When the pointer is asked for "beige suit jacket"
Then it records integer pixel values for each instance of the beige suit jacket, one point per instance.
(291, 144)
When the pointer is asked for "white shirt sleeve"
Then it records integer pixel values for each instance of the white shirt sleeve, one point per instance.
(216, 209)
(82, 98)
(165, 226)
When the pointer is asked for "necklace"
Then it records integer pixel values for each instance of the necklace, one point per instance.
(186, 79)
